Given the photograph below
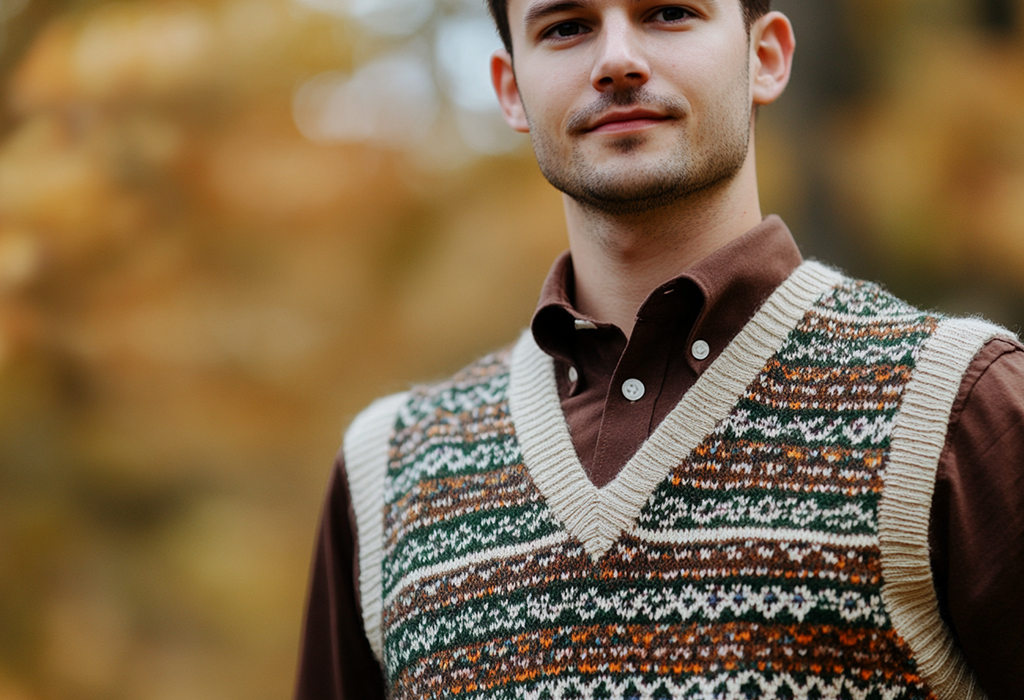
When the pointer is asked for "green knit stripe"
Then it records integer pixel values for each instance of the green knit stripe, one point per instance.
(458, 496)
(852, 347)
(464, 536)
(573, 603)
(688, 508)
(817, 349)
(809, 428)
(441, 426)
(441, 459)
(417, 444)
(709, 561)
(707, 566)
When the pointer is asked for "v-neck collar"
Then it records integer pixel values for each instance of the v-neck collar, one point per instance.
(598, 517)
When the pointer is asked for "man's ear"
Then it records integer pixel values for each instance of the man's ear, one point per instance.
(504, 79)
(772, 44)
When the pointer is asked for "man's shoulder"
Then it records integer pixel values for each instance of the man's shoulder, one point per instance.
(995, 378)
(856, 299)
(483, 370)
(407, 419)
(989, 357)
(490, 371)
(864, 300)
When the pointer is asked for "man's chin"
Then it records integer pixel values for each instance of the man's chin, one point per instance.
(625, 193)
(624, 200)
(636, 150)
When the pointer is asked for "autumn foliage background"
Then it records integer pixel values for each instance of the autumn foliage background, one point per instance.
(226, 225)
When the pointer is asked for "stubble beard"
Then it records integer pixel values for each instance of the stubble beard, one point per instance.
(695, 164)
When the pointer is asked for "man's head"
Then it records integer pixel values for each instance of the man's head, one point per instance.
(752, 9)
(635, 105)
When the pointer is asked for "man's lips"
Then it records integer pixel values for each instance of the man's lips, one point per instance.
(627, 120)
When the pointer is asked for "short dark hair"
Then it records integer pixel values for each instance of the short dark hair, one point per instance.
(752, 9)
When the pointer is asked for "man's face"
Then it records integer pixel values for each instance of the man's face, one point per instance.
(633, 104)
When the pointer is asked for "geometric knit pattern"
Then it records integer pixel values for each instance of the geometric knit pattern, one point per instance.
(753, 569)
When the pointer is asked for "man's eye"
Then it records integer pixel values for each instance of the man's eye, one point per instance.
(566, 29)
(673, 14)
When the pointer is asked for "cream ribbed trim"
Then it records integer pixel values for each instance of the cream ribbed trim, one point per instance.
(366, 460)
(598, 517)
(904, 513)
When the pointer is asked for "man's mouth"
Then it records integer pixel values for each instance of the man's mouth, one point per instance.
(619, 120)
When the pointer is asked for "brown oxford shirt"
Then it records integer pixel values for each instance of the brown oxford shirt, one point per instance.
(977, 526)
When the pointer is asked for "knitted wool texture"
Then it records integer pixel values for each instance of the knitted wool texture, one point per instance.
(768, 541)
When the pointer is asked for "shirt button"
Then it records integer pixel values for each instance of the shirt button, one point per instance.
(633, 389)
(573, 375)
(701, 350)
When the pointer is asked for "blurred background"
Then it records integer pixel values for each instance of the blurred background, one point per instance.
(226, 225)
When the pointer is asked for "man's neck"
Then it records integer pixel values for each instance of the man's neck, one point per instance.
(618, 260)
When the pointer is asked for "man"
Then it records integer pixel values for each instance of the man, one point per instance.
(709, 469)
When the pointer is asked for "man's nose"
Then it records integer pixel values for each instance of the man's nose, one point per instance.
(621, 63)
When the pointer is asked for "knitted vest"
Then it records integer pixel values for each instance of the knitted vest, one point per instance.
(769, 540)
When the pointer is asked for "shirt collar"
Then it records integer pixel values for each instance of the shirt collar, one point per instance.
(729, 285)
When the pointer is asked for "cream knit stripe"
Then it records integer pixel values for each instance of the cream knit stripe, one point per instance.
(598, 517)
(475, 559)
(366, 463)
(904, 513)
(767, 534)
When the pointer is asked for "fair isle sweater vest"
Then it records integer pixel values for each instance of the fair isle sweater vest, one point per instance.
(769, 540)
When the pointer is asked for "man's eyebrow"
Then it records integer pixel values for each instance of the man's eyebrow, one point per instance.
(541, 10)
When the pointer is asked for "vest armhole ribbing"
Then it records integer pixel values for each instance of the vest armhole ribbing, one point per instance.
(918, 438)
(366, 460)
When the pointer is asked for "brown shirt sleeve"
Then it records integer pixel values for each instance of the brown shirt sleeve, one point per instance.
(336, 662)
(977, 528)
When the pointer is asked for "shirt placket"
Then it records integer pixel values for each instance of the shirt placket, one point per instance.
(638, 383)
